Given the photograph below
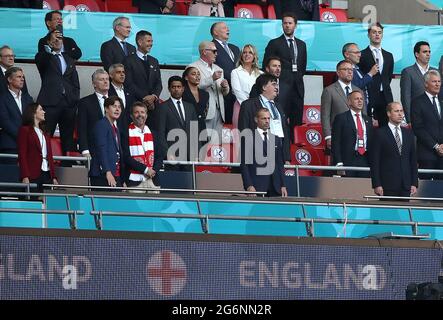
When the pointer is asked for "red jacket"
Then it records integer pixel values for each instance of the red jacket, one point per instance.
(30, 153)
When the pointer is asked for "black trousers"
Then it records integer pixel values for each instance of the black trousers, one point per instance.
(358, 161)
(103, 182)
(379, 104)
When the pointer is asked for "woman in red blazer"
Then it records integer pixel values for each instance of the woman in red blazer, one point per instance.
(34, 149)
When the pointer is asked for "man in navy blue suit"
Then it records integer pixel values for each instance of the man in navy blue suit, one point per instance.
(262, 166)
(107, 167)
(12, 105)
(394, 161)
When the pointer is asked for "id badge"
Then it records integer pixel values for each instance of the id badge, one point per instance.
(278, 128)
(294, 68)
(361, 143)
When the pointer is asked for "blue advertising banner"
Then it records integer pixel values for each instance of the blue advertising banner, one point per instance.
(56, 267)
(176, 38)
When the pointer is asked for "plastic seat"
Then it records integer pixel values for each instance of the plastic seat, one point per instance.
(84, 5)
(218, 153)
(120, 6)
(271, 12)
(309, 135)
(311, 114)
(56, 147)
(307, 156)
(51, 5)
(248, 11)
(182, 7)
(333, 15)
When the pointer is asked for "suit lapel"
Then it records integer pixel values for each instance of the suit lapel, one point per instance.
(12, 102)
(391, 138)
(175, 112)
(117, 45)
(340, 92)
(37, 140)
(418, 73)
(350, 120)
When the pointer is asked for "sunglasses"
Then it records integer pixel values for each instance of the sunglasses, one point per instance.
(212, 50)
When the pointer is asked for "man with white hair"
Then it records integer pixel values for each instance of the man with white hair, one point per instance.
(212, 80)
(116, 49)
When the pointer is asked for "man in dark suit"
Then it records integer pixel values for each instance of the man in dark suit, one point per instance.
(262, 166)
(427, 123)
(117, 76)
(116, 49)
(154, 6)
(394, 161)
(352, 53)
(12, 105)
(334, 98)
(267, 85)
(54, 22)
(273, 66)
(351, 137)
(143, 74)
(379, 90)
(227, 58)
(412, 83)
(107, 167)
(7, 59)
(176, 114)
(303, 9)
(60, 90)
(90, 110)
(293, 57)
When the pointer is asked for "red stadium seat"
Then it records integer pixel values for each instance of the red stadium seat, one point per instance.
(182, 7)
(271, 12)
(332, 15)
(218, 153)
(56, 147)
(84, 5)
(309, 135)
(248, 11)
(120, 6)
(307, 156)
(311, 114)
(51, 5)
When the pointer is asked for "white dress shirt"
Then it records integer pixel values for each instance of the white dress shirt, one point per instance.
(430, 96)
(392, 127)
(41, 138)
(120, 93)
(18, 99)
(181, 107)
(242, 82)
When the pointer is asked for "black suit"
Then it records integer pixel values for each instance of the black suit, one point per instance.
(125, 117)
(11, 120)
(69, 46)
(279, 47)
(283, 97)
(59, 94)
(302, 13)
(4, 84)
(201, 107)
(378, 100)
(246, 120)
(169, 119)
(224, 61)
(89, 112)
(270, 183)
(394, 172)
(112, 52)
(429, 131)
(344, 138)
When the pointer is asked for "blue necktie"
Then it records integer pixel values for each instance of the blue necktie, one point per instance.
(125, 47)
(274, 112)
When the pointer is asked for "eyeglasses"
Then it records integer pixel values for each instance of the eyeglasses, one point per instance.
(8, 55)
(212, 50)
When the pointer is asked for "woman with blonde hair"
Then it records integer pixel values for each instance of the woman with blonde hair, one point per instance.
(243, 78)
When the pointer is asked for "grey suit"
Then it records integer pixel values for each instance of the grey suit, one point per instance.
(412, 84)
(333, 102)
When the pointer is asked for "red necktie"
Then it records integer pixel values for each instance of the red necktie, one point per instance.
(360, 149)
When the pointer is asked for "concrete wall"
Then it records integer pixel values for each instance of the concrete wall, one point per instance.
(394, 11)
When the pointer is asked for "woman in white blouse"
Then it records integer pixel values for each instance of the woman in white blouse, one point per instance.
(34, 149)
(243, 78)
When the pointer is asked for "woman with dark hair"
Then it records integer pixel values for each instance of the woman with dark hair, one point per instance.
(34, 149)
(199, 98)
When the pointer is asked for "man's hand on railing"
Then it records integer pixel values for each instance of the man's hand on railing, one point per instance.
(25, 180)
(378, 191)
(54, 181)
(251, 189)
(111, 179)
(284, 192)
(413, 191)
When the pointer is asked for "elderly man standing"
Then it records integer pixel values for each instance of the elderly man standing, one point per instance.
(213, 82)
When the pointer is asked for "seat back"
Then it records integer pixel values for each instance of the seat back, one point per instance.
(248, 11)
(120, 6)
(309, 135)
(333, 15)
(51, 5)
(311, 114)
(85, 5)
(271, 12)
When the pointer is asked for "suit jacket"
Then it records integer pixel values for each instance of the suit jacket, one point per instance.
(112, 52)
(224, 61)
(412, 84)
(11, 118)
(361, 80)
(333, 102)
(4, 85)
(30, 153)
(89, 112)
(344, 138)
(125, 118)
(249, 169)
(249, 108)
(201, 107)
(389, 169)
(169, 119)
(279, 47)
(214, 88)
(139, 80)
(427, 127)
(149, 6)
(367, 61)
(300, 12)
(107, 152)
(70, 47)
(56, 85)
(283, 97)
